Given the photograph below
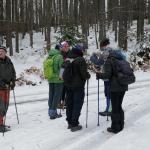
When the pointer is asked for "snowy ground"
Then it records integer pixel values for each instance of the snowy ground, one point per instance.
(37, 132)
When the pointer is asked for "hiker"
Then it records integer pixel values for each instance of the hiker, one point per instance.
(75, 87)
(117, 91)
(7, 83)
(55, 83)
(64, 49)
(99, 60)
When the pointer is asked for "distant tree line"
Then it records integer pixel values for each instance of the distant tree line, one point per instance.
(25, 16)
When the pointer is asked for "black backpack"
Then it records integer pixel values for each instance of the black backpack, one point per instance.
(68, 72)
(123, 71)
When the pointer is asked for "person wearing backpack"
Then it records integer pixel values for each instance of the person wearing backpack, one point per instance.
(55, 82)
(7, 83)
(77, 70)
(99, 59)
(117, 90)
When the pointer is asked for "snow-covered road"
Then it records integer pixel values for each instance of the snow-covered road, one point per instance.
(37, 132)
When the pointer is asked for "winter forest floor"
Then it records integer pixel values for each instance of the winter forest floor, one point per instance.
(37, 132)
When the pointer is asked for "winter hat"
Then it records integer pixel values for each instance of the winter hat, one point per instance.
(57, 46)
(82, 48)
(77, 51)
(4, 48)
(63, 44)
(104, 42)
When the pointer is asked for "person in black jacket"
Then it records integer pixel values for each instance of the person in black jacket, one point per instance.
(117, 92)
(7, 82)
(75, 89)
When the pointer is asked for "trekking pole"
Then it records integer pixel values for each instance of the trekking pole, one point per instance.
(108, 105)
(60, 111)
(98, 103)
(4, 119)
(15, 106)
(87, 104)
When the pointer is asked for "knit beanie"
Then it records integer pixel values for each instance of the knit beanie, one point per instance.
(104, 42)
(4, 48)
(77, 51)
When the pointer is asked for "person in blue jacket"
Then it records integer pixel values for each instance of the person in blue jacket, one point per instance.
(99, 59)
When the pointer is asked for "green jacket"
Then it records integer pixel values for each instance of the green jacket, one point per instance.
(58, 61)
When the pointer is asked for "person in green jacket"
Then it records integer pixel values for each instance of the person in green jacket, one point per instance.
(55, 84)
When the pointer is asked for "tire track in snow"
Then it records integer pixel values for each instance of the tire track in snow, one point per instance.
(92, 91)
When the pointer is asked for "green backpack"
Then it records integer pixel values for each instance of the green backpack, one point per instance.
(48, 66)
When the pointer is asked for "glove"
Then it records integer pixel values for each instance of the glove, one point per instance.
(88, 75)
(97, 76)
(2, 84)
(12, 85)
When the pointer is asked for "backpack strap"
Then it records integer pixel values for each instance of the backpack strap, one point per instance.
(53, 57)
(114, 67)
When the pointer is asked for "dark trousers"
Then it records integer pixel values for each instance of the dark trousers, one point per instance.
(107, 94)
(55, 92)
(117, 116)
(74, 103)
(63, 98)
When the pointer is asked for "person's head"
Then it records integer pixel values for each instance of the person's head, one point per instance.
(81, 47)
(77, 51)
(3, 51)
(57, 46)
(104, 42)
(64, 46)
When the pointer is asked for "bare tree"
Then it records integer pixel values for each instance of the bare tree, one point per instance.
(102, 19)
(9, 27)
(140, 20)
(148, 12)
(17, 24)
(123, 20)
(1, 22)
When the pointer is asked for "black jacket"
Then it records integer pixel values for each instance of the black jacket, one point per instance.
(109, 73)
(7, 72)
(80, 73)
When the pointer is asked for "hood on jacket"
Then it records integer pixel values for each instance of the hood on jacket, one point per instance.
(53, 52)
(118, 54)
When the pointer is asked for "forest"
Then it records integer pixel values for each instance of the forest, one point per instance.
(21, 17)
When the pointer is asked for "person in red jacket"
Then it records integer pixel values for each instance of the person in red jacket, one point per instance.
(7, 82)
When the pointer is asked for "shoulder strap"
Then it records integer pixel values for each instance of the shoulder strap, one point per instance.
(114, 67)
(53, 57)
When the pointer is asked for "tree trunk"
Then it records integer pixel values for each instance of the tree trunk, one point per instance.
(1, 22)
(17, 24)
(102, 18)
(48, 17)
(9, 27)
(123, 19)
(140, 20)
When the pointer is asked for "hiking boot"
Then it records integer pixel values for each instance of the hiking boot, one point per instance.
(105, 113)
(4, 128)
(69, 126)
(56, 116)
(76, 128)
(113, 130)
(7, 126)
